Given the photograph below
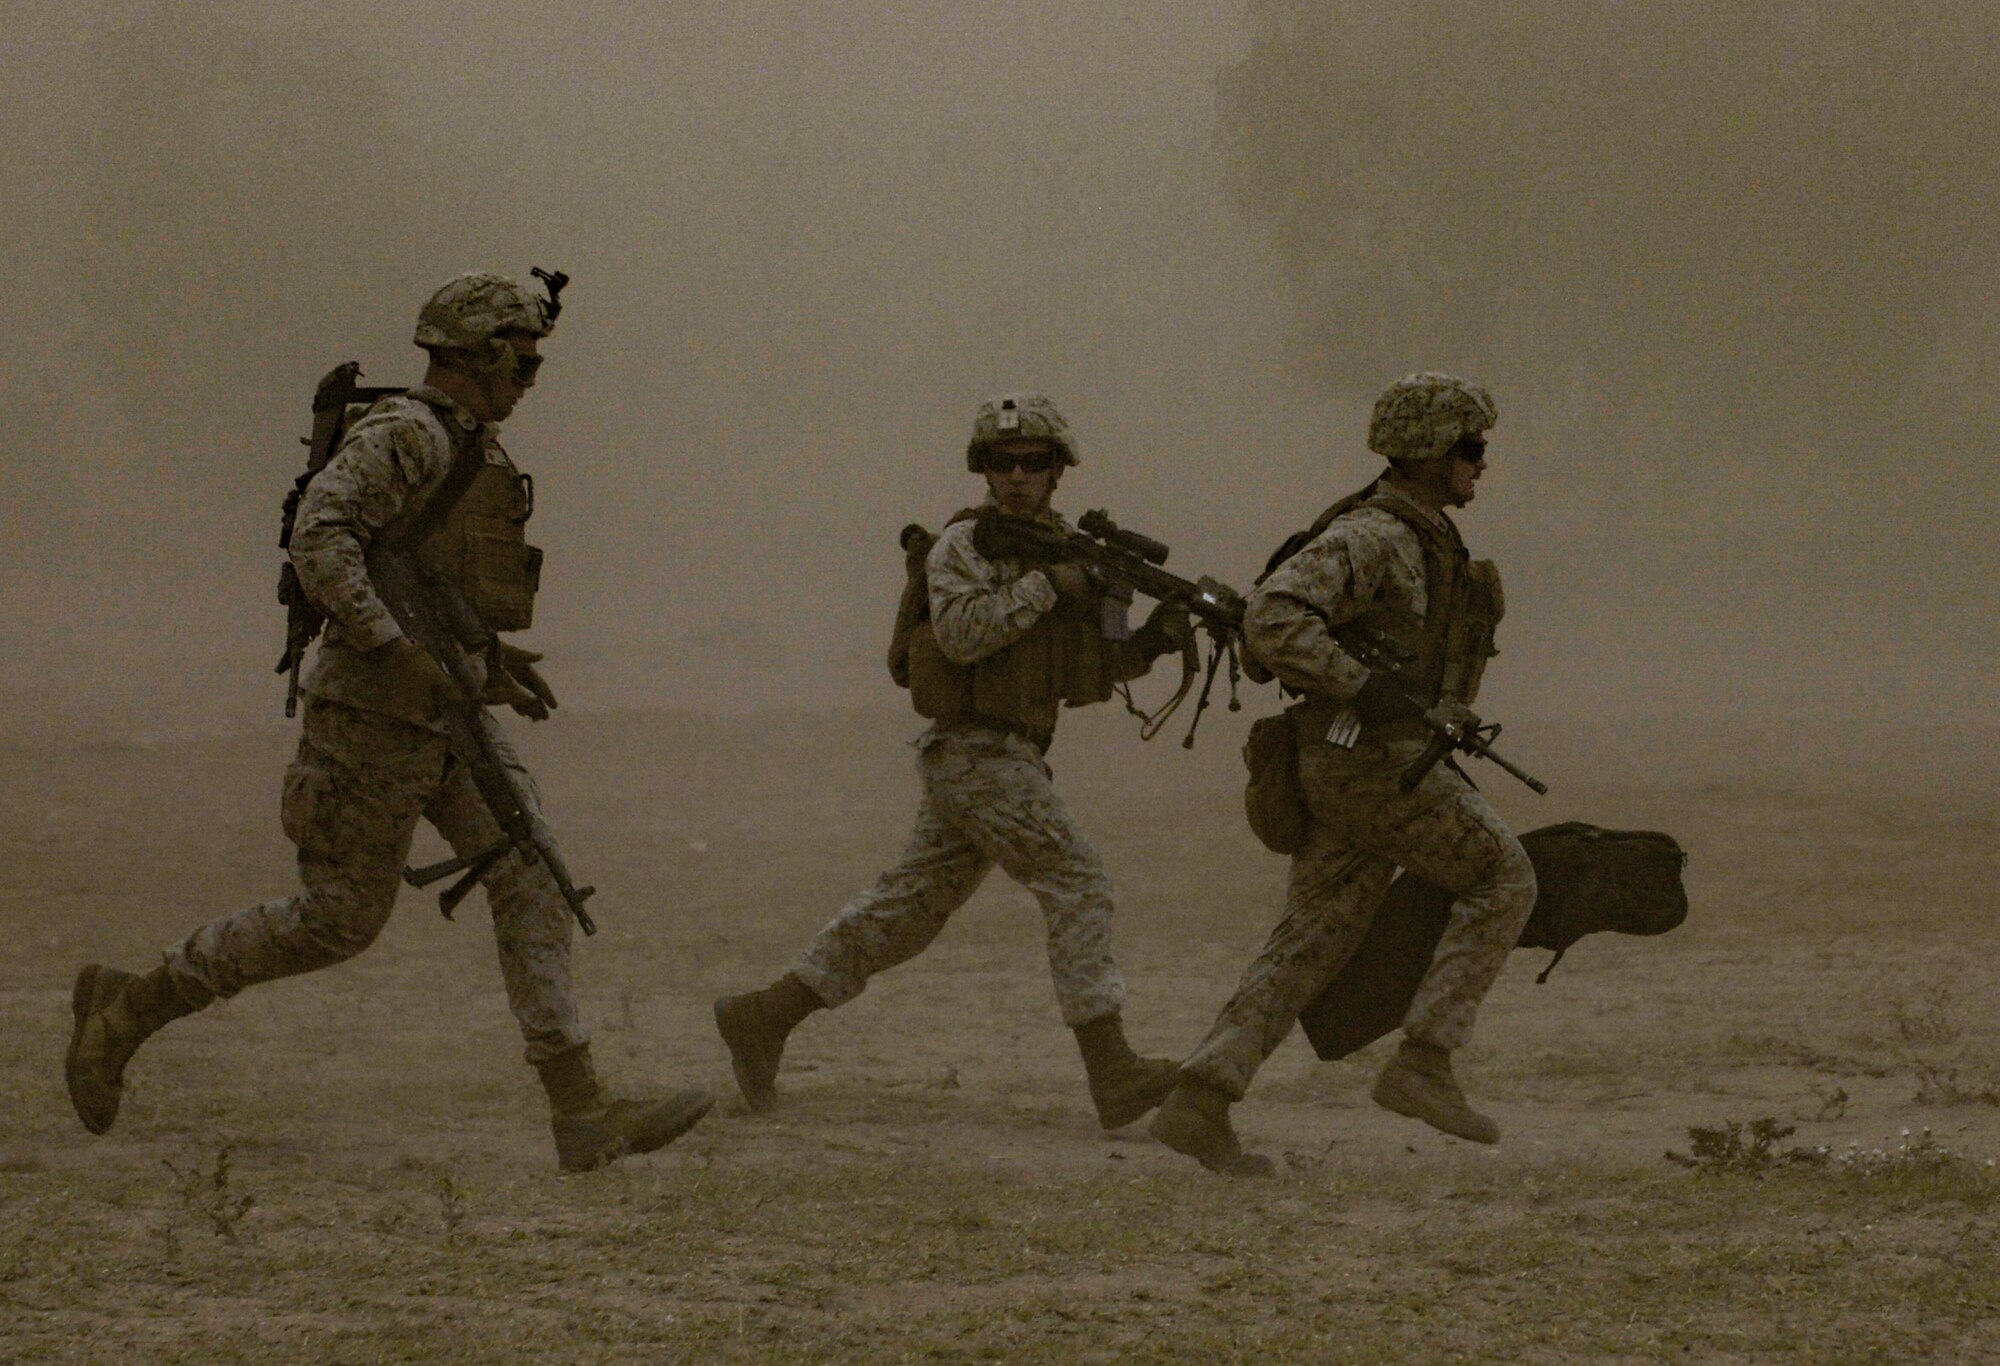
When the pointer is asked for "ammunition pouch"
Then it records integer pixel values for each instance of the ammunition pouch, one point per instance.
(483, 545)
(1274, 799)
(1062, 660)
(940, 690)
(1469, 643)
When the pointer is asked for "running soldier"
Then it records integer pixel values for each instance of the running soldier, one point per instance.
(1387, 566)
(424, 466)
(1005, 644)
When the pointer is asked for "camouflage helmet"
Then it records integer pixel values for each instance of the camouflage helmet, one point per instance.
(1009, 417)
(476, 307)
(1421, 416)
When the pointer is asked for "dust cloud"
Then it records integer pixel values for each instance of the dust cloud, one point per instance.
(1730, 279)
(1730, 271)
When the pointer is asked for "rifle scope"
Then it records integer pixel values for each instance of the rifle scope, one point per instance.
(1098, 525)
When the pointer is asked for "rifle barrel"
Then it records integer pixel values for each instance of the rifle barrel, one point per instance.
(474, 734)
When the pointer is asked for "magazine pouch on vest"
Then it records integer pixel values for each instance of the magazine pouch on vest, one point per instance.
(484, 541)
(1062, 658)
(1481, 605)
(939, 689)
(1088, 667)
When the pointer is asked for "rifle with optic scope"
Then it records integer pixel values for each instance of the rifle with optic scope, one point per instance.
(1119, 563)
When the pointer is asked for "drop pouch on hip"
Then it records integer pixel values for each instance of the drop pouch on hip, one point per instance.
(1274, 800)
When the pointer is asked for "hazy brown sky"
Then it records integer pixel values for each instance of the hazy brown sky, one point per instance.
(1731, 279)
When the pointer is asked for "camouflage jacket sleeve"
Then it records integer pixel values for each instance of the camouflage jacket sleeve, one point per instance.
(389, 463)
(980, 606)
(1366, 559)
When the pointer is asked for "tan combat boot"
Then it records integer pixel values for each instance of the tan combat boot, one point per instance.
(594, 1128)
(114, 1013)
(755, 1025)
(1123, 1085)
(1418, 1083)
(1195, 1121)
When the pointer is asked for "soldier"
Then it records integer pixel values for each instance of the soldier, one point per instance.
(1005, 644)
(425, 466)
(1388, 564)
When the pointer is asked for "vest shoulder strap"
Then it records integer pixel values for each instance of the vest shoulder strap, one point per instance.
(467, 457)
(1299, 540)
(1444, 556)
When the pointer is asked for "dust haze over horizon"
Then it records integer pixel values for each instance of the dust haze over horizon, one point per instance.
(1732, 282)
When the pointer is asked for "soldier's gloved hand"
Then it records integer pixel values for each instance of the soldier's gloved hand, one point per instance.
(1384, 697)
(416, 675)
(514, 681)
(1069, 580)
(1168, 629)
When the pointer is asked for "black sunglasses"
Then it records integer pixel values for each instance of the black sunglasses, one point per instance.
(1034, 462)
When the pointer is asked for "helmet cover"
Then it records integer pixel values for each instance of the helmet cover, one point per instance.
(1422, 416)
(473, 309)
(1011, 417)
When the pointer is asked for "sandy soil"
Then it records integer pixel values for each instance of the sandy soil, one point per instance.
(1832, 974)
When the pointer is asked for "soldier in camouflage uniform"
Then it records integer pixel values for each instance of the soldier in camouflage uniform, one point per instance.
(1005, 645)
(1388, 564)
(421, 467)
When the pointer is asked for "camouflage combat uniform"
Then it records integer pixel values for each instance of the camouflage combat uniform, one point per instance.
(1363, 826)
(373, 757)
(987, 800)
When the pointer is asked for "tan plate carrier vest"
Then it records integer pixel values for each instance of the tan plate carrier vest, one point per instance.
(485, 540)
(1446, 650)
(1446, 653)
(482, 540)
(1063, 659)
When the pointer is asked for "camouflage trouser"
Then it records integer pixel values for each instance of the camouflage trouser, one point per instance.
(1363, 828)
(987, 800)
(352, 799)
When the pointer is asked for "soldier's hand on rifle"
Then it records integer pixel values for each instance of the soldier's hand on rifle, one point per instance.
(1069, 580)
(1168, 629)
(417, 674)
(513, 680)
(1384, 697)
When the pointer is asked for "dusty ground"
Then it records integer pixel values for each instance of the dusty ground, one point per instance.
(354, 1166)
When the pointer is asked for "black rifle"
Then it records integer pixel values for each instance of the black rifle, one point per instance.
(303, 621)
(1452, 725)
(1121, 562)
(429, 608)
